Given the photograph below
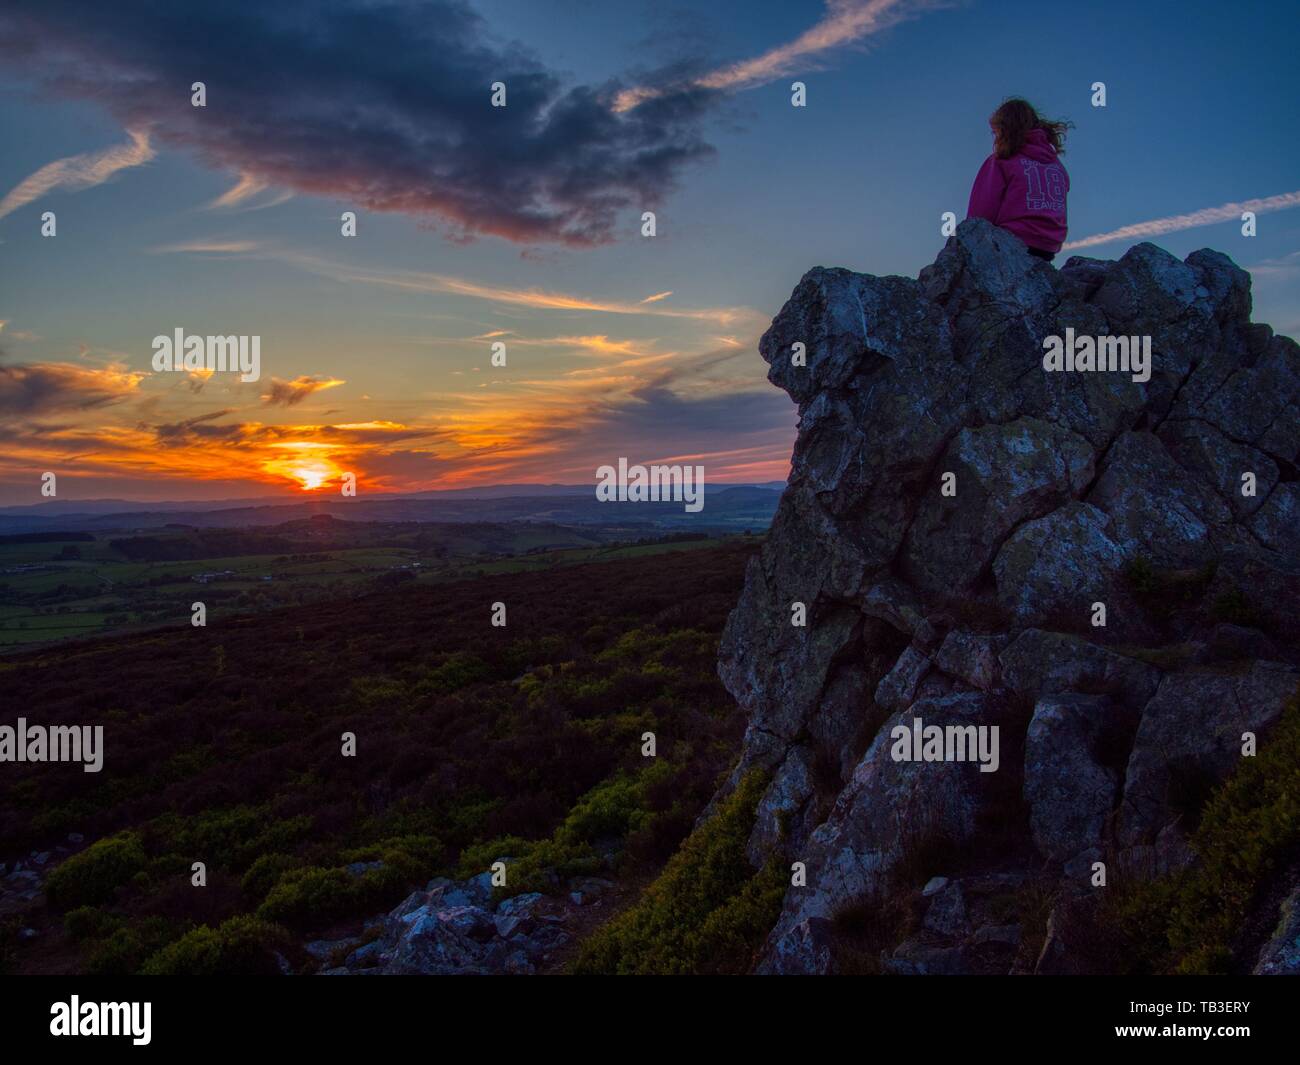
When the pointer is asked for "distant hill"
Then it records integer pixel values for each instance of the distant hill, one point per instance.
(727, 507)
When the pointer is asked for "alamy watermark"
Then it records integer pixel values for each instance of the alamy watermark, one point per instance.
(103, 1018)
(55, 743)
(216, 354)
(651, 484)
(1086, 353)
(946, 743)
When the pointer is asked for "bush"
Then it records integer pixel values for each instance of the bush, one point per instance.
(314, 897)
(612, 808)
(731, 933)
(310, 898)
(265, 873)
(92, 876)
(477, 858)
(242, 946)
(88, 923)
(413, 855)
(707, 910)
(1188, 922)
(460, 670)
(123, 952)
(533, 865)
(233, 837)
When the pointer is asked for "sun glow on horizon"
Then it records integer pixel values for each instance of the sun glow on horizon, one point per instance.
(311, 471)
(311, 477)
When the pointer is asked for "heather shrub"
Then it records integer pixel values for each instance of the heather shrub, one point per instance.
(241, 946)
(93, 875)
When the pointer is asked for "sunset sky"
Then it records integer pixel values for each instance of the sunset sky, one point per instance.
(522, 224)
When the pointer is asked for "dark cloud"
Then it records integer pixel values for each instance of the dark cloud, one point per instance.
(197, 430)
(42, 388)
(291, 393)
(726, 432)
(384, 106)
(658, 413)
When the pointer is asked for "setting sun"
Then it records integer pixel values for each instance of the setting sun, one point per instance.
(312, 477)
(307, 464)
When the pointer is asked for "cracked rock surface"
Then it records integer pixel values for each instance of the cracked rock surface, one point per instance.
(978, 606)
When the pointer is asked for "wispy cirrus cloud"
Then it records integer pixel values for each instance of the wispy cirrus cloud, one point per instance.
(1283, 266)
(846, 22)
(245, 190)
(15, 334)
(1174, 223)
(426, 282)
(537, 299)
(78, 172)
(210, 247)
(594, 344)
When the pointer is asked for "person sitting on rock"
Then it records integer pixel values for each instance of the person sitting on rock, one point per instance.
(1022, 186)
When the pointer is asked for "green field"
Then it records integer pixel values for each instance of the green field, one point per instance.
(48, 595)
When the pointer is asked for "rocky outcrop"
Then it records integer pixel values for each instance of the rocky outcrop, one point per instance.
(1281, 954)
(22, 882)
(1102, 566)
(459, 928)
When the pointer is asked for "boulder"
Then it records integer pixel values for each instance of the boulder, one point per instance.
(1047, 663)
(781, 805)
(946, 914)
(1059, 565)
(1004, 475)
(1277, 522)
(896, 691)
(1158, 510)
(1070, 794)
(1190, 737)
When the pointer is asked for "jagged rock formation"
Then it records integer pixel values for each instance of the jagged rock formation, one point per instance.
(977, 608)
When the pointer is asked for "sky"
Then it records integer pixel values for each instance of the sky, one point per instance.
(523, 225)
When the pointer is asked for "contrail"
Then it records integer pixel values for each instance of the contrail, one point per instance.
(845, 21)
(1204, 217)
(79, 171)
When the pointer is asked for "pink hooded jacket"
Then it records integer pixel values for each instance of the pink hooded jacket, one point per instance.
(1024, 194)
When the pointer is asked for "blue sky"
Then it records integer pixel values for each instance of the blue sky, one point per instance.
(381, 342)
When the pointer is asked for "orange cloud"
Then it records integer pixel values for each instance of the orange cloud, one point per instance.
(511, 427)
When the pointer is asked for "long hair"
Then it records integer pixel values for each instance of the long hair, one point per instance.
(1012, 123)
